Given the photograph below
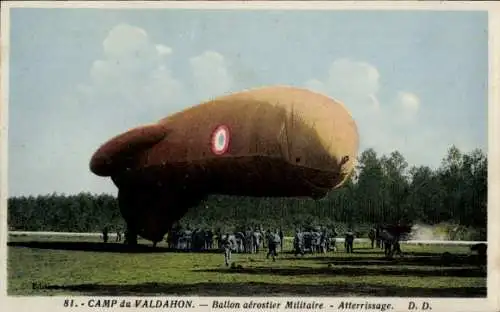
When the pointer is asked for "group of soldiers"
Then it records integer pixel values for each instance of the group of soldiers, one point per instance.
(190, 239)
(105, 234)
(314, 240)
(251, 243)
(250, 240)
(388, 237)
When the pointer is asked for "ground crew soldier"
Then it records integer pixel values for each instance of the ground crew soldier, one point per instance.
(272, 244)
(105, 234)
(118, 235)
(282, 242)
(226, 245)
(349, 240)
(323, 243)
(378, 239)
(388, 240)
(372, 235)
(281, 239)
(298, 243)
(480, 248)
(396, 244)
(209, 238)
(397, 247)
(481, 258)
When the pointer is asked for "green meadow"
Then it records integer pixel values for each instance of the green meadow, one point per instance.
(51, 266)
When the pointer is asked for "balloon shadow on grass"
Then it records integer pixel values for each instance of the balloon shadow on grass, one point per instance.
(100, 247)
(407, 259)
(352, 271)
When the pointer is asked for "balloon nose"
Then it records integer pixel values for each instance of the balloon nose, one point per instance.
(115, 154)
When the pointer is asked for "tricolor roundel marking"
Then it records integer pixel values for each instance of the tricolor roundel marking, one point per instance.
(220, 140)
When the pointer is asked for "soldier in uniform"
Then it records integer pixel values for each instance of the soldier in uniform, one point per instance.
(155, 242)
(266, 238)
(397, 247)
(389, 240)
(481, 257)
(257, 237)
(349, 240)
(372, 235)
(323, 244)
(333, 239)
(397, 237)
(298, 243)
(209, 237)
(105, 234)
(248, 240)
(281, 239)
(118, 235)
(226, 245)
(272, 244)
(218, 237)
(480, 248)
(378, 239)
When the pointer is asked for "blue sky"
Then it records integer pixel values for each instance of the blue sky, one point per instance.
(414, 81)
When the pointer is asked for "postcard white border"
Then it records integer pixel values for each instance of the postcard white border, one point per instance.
(492, 303)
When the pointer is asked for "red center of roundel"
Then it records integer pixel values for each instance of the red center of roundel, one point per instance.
(220, 140)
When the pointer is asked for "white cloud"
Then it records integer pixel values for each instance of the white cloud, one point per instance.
(130, 84)
(211, 74)
(385, 126)
(345, 74)
(132, 73)
(409, 101)
(163, 50)
(124, 41)
(317, 85)
(350, 82)
(407, 106)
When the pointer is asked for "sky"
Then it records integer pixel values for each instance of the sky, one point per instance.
(415, 82)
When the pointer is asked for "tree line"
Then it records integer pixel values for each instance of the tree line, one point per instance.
(383, 189)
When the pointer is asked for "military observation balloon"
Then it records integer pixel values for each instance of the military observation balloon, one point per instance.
(276, 141)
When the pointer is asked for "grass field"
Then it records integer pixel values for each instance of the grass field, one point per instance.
(85, 266)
